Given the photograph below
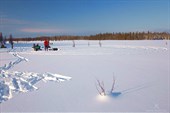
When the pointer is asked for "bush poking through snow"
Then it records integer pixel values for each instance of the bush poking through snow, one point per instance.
(100, 44)
(101, 89)
(113, 85)
(74, 45)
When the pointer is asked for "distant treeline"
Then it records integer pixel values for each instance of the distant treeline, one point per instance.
(106, 36)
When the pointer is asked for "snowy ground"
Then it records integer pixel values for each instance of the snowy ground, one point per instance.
(141, 70)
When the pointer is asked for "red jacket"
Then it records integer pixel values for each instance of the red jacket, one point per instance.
(46, 43)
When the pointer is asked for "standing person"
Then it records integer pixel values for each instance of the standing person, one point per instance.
(1, 39)
(46, 45)
(11, 41)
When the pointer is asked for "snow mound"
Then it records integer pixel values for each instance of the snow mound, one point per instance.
(14, 82)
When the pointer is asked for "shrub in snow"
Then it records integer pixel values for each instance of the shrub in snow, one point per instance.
(100, 44)
(88, 43)
(74, 44)
(102, 91)
(100, 88)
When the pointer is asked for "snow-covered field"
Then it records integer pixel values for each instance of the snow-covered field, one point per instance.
(141, 70)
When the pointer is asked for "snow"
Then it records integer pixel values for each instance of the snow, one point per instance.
(140, 68)
(22, 81)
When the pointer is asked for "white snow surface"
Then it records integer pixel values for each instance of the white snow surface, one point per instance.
(22, 81)
(141, 71)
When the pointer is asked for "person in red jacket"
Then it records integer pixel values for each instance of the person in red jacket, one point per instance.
(46, 45)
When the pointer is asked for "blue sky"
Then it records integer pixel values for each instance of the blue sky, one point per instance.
(30, 18)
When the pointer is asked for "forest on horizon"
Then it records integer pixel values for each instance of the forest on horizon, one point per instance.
(101, 36)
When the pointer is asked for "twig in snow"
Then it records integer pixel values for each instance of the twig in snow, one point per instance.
(101, 86)
(113, 84)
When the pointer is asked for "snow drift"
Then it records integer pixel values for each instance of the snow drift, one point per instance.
(14, 82)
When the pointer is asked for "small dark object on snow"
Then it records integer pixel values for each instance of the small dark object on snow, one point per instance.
(3, 46)
(53, 49)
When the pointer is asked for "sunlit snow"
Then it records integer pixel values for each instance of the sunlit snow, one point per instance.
(141, 71)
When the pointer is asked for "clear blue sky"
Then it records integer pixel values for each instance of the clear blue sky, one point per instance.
(30, 18)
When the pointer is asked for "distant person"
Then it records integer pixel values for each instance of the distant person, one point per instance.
(36, 47)
(11, 41)
(46, 45)
(1, 40)
(33, 46)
